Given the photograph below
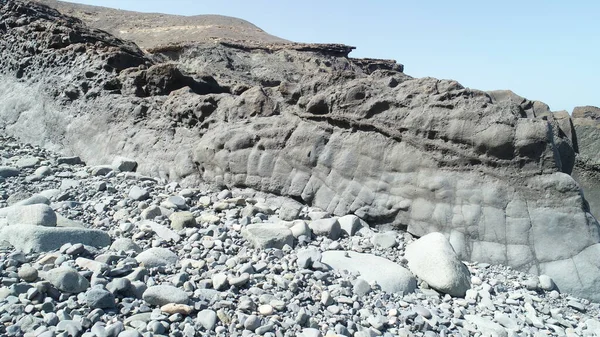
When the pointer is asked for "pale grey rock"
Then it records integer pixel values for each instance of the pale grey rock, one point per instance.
(138, 193)
(125, 244)
(162, 231)
(290, 211)
(349, 224)
(268, 235)
(151, 212)
(391, 277)
(433, 260)
(157, 257)
(29, 238)
(207, 318)
(384, 240)
(486, 326)
(43, 171)
(98, 297)
(329, 227)
(27, 162)
(33, 200)
(67, 279)
(72, 160)
(160, 295)
(298, 228)
(36, 215)
(219, 281)
(28, 273)
(101, 170)
(307, 256)
(124, 164)
(181, 220)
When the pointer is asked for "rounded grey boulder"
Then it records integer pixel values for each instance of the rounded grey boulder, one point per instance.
(164, 294)
(67, 279)
(125, 244)
(157, 257)
(100, 298)
(268, 235)
(37, 215)
(433, 259)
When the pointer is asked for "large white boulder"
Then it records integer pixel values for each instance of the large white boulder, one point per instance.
(433, 259)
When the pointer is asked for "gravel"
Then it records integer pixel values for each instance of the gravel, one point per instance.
(201, 261)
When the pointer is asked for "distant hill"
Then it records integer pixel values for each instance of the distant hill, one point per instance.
(149, 30)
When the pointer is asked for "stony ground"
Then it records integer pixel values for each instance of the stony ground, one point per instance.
(196, 262)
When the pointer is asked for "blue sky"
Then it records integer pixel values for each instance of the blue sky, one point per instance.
(543, 50)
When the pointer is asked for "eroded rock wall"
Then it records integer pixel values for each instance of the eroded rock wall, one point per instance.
(348, 136)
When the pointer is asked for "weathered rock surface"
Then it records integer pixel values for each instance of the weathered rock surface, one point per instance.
(423, 154)
(32, 238)
(390, 276)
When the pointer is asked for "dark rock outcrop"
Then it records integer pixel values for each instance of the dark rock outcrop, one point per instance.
(490, 170)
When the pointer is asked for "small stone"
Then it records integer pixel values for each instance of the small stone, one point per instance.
(384, 240)
(174, 308)
(125, 244)
(361, 287)
(329, 227)
(422, 311)
(67, 279)
(157, 257)
(207, 318)
(181, 220)
(576, 305)
(98, 297)
(27, 162)
(307, 256)
(546, 283)
(268, 235)
(219, 281)
(28, 273)
(137, 193)
(160, 295)
(239, 280)
(7, 172)
(252, 322)
(265, 310)
(124, 164)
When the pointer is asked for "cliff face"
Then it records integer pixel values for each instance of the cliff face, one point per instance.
(490, 170)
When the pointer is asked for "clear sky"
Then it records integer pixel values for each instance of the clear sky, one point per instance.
(543, 50)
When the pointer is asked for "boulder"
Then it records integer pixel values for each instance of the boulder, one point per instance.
(124, 164)
(181, 220)
(160, 295)
(138, 193)
(432, 259)
(31, 238)
(268, 235)
(157, 257)
(391, 277)
(329, 227)
(37, 215)
(67, 279)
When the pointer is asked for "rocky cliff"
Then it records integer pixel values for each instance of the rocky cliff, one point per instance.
(490, 170)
